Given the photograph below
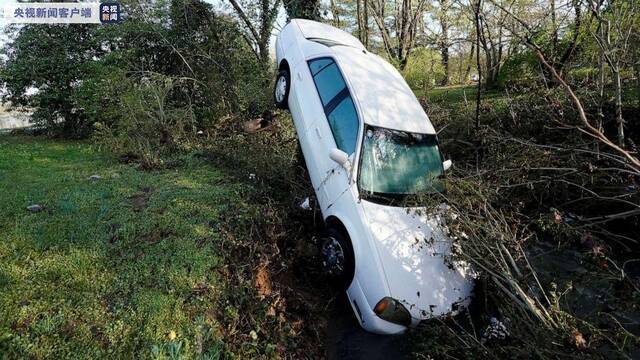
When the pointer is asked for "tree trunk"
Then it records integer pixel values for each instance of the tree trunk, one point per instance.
(601, 80)
(467, 72)
(488, 79)
(444, 53)
(405, 34)
(362, 13)
(444, 40)
(619, 119)
(359, 20)
(334, 12)
(636, 66)
(365, 24)
(478, 65)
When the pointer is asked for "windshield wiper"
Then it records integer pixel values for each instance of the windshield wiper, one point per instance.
(384, 198)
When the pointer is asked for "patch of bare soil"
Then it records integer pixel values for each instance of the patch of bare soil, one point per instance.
(140, 200)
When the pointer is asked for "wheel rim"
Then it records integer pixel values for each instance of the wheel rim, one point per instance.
(333, 257)
(281, 88)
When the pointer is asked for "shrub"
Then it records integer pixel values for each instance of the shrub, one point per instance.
(423, 69)
(44, 69)
(151, 128)
(518, 70)
(79, 82)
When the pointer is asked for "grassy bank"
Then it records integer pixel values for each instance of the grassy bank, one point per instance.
(130, 264)
(454, 94)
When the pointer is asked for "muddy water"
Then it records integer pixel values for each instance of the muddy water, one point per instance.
(347, 340)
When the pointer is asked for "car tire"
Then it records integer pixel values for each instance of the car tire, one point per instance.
(337, 258)
(281, 89)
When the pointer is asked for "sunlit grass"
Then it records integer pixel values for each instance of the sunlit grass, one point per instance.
(454, 94)
(92, 275)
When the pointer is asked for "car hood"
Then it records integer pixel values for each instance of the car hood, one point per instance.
(413, 250)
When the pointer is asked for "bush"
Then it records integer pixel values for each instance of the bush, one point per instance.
(150, 128)
(423, 69)
(79, 83)
(43, 70)
(518, 70)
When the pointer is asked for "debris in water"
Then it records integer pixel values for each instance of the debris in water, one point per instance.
(496, 330)
(305, 204)
(35, 208)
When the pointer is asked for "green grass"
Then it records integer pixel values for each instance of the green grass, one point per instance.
(454, 94)
(110, 267)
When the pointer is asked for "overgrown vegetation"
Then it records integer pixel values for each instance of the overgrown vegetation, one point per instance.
(94, 79)
(540, 115)
(549, 222)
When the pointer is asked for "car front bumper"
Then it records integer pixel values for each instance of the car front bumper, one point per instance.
(365, 315)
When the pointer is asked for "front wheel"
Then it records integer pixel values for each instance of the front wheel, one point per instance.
(281, 89)
(337, 257)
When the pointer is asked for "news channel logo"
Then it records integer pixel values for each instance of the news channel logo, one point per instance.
(62, 13)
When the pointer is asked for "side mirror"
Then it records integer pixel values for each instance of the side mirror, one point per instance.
(446, 165)
(340, 157)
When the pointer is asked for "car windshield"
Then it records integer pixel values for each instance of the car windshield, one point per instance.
(399, 163)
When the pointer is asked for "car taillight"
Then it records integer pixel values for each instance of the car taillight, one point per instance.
(392, 310)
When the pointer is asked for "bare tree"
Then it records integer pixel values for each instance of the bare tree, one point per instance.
(444, 43)
(362, 19)
(526, 33)
(491, 39)
(258, 18)
(399, 35)
(615, 28)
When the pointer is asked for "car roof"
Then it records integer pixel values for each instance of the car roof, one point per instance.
(384, 97)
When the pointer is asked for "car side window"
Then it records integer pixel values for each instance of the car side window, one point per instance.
(343, 121)
(327, 78)
(336, 100)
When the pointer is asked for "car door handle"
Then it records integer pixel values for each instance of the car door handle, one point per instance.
(318, 133)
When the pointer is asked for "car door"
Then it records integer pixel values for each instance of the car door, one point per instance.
(307, 110)
(338, 128)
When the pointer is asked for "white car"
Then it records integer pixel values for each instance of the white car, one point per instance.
(367, 144)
